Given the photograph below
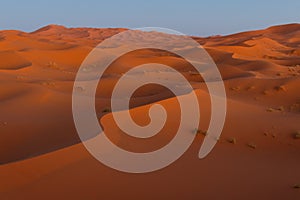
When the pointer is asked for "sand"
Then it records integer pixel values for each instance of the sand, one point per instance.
(41, 156)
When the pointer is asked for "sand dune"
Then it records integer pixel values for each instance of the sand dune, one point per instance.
(12, 60)
(41, 155)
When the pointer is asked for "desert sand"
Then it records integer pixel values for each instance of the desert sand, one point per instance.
(257, 156)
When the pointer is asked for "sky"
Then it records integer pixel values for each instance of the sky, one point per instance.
(191, 17)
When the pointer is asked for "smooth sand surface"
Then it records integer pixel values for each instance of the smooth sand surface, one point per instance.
(257, 156)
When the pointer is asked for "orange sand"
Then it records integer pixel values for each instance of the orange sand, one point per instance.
(41, 155)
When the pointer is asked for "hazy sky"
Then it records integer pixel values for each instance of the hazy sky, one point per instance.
(193, 17)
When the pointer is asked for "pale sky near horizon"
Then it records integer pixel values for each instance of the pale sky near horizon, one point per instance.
(192, 17)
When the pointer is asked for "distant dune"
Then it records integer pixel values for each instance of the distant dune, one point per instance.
(257, 156)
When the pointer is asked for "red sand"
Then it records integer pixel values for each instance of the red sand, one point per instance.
(41, 155)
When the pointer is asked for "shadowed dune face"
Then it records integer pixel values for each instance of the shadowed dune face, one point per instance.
(258, 153)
